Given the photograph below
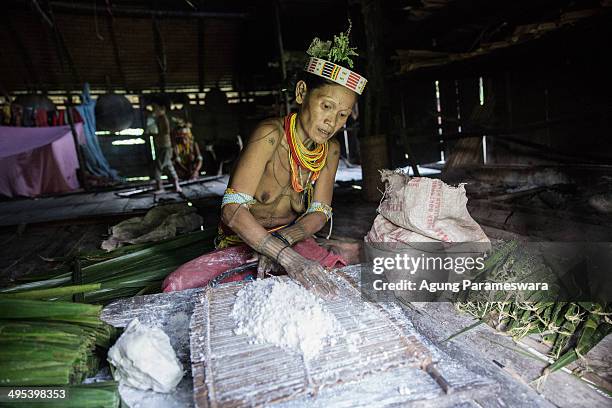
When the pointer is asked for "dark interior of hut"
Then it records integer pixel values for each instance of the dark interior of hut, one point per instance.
(501, 108)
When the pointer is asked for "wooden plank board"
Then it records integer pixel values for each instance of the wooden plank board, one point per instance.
(230, 371)
(92, 204)
(477, 349)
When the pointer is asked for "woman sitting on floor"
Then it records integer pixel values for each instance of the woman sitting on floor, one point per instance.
(280, 192)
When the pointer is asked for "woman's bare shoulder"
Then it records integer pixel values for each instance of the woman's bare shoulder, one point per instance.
(270, 130)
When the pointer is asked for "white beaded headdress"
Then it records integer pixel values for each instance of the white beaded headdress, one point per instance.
(326, 56)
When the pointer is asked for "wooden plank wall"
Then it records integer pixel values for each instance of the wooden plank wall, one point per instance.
(419, 113)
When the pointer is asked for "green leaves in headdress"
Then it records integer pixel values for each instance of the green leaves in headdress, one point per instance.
(339, 51)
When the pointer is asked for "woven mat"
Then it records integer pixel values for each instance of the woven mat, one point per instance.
(229, 371)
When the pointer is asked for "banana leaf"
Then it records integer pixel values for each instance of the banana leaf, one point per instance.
(52, 293)
(124, 272)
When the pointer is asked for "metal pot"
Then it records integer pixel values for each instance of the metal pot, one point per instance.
(113, 112)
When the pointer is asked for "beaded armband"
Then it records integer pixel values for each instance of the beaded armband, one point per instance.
(320, 207)
(231, 196)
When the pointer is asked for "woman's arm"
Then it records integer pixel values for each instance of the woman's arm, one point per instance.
(245, 179)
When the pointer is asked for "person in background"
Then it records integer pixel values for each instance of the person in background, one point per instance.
(6, 114)
(16, 115)
(187, 156)
(163, 148)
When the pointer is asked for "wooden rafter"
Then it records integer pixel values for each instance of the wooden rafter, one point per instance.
(201, 51)
(151, 12)
(110, 21)
(63, 53)
(160, 51)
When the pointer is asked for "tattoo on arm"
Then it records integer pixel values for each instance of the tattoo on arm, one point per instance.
(271, 247)
(294, 233)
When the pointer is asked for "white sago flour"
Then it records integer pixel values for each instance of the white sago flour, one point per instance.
(285, 314)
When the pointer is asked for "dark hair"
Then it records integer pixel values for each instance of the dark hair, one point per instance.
(312, 81)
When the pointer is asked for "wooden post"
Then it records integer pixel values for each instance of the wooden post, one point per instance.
(375, 156)
(160, 52)
(146, 134)
(509, 117)
(110, 21)
(281, 51)
(407, 148)
(201, 51)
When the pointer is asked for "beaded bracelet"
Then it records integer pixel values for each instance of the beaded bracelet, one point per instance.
(316, 206)
(231, 196)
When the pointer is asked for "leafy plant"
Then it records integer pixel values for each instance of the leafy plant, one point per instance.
(338, 51)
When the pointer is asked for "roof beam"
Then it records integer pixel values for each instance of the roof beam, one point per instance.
(281, 51)
(137, 12)
(110, 21)
(201, 51)
(60, 44)
(160, 54)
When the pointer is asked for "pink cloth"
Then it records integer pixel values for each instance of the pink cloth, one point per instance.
(198, 272)
(35, 161)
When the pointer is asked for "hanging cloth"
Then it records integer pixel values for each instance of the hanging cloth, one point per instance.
(95, 162)
(40, 117)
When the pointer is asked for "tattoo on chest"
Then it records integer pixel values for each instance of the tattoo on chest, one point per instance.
(271, 140)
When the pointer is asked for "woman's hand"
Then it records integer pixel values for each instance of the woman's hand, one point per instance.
(266, 266)
(312, 276)
(309, 273)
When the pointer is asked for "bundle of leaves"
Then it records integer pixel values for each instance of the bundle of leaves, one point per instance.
(570, 329)
(338, 51)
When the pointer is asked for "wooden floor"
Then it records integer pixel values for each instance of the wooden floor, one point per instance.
(33, 232)
(29, 249)
(101, 204)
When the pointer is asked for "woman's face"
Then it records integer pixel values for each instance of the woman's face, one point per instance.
(323, 111)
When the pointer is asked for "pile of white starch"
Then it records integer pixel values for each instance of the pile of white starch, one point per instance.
(285, 314)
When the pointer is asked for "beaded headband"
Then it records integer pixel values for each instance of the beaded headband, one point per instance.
(337, 74)
(324, 56)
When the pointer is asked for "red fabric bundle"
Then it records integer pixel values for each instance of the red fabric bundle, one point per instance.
(199, 271)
